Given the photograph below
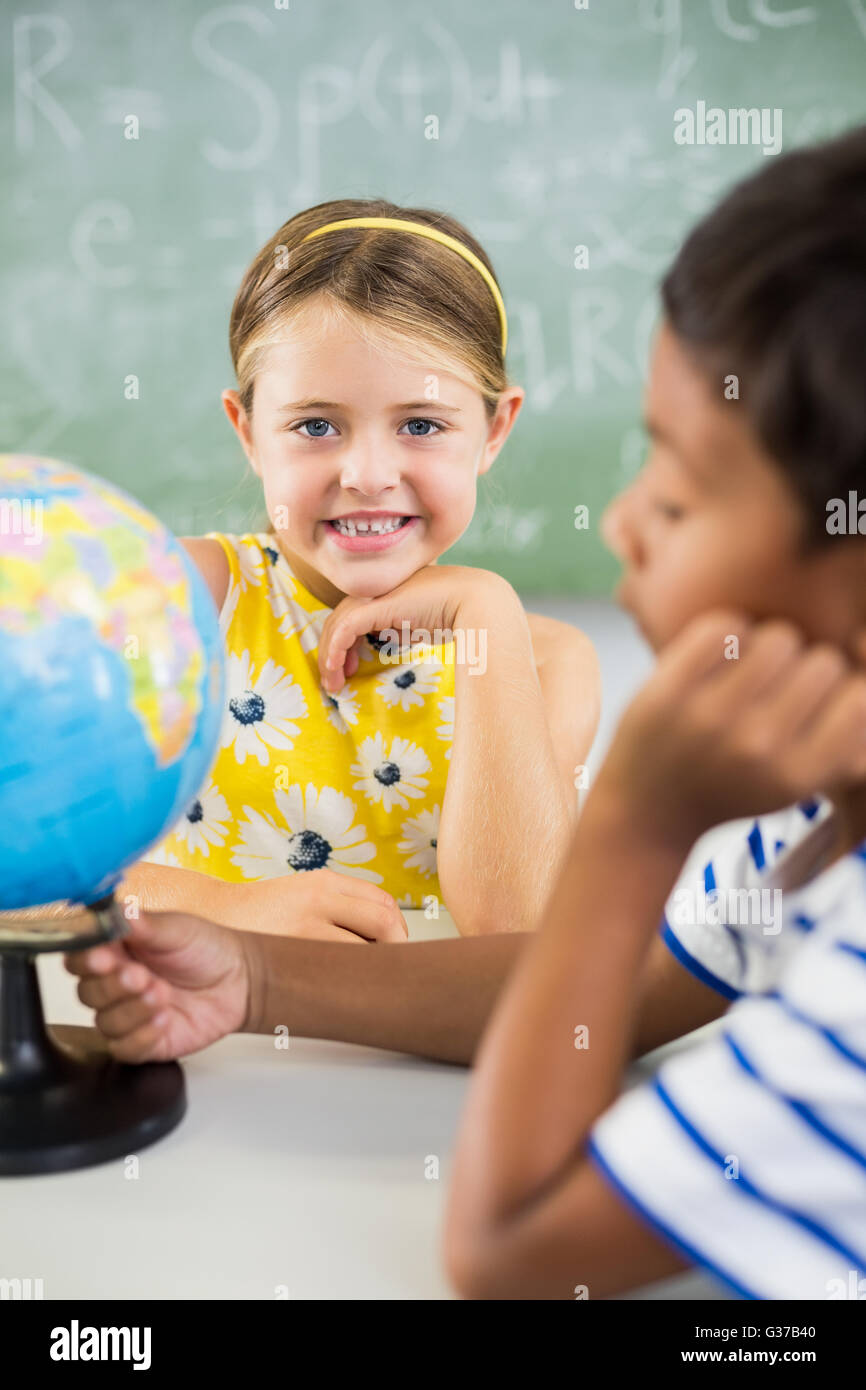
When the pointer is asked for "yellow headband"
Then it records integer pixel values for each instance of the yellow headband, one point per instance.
(421, 229)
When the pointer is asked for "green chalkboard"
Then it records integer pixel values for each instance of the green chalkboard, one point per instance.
(121, 256)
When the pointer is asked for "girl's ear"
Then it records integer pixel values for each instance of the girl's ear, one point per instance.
(240, 423)
(507, 411)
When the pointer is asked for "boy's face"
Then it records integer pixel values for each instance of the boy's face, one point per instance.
(710, 521)
(340, 426)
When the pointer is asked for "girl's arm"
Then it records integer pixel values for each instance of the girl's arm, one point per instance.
(570, 680)
(510, 796)
(169, 888)
(323, 904)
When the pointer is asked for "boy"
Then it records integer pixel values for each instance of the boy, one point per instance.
(747, 1153)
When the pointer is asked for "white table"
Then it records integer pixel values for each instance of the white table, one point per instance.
(304, 1171)
(302, 1168)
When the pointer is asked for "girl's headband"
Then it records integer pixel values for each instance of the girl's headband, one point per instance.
(421, 229)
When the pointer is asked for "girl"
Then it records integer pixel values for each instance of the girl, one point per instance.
(368, 343)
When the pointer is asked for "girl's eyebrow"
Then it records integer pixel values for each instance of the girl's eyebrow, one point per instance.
(307, 405)
(292, 406)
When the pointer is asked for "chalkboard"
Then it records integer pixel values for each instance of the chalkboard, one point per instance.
(556, 130)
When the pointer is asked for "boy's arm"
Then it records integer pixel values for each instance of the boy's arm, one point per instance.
(705, 741)
(671, 1001)
(435, 998)
(429, 998)
(529, 1215)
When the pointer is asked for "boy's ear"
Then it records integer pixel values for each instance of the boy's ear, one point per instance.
(507, 410)
(240, 423)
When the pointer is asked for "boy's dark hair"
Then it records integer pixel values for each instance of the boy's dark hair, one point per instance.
(771, 286)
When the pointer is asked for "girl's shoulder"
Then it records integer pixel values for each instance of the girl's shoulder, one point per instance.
(210, 559)
(225, 559)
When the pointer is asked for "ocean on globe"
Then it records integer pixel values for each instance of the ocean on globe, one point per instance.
(111, 682)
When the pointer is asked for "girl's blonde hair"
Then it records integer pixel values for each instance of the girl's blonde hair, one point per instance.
(407, 288)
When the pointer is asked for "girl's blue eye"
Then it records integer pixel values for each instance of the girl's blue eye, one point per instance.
(422, 434)
(315, 431)
(318, 428)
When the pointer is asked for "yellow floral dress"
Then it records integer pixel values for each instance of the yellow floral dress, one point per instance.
(304, 780)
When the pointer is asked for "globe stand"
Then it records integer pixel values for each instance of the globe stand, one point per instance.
(69, 1104)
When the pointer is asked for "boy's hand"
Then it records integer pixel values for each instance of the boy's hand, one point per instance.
(171, 986)
(429, 599)
(711, 737)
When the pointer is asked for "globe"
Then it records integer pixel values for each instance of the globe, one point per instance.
(111, 682)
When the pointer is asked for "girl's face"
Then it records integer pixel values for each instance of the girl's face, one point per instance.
(342, 428)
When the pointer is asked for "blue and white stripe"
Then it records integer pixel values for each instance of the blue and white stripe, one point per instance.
(748, 1151)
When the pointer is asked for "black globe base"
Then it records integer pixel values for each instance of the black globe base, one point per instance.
(64, 1101)
(99, 1109)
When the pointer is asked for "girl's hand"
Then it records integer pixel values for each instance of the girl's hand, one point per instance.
(173, 985)
(430, 598)
(320, 904)
(711, 738)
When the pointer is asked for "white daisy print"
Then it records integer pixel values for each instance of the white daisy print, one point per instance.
(252, 565)
(446, 730)
(407, 683)
(260, 709)
(205, 822)
(161, 855)
(342, 708)
(422, 836)
(294, 620)
(282, 587)
(227, 612)
(393, 776)
(317, 831)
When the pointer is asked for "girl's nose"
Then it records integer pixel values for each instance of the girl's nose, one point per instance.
(369, 470)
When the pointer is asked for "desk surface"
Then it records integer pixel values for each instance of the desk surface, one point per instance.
(306, 1170)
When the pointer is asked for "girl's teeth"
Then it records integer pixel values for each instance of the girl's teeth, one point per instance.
(363, 528)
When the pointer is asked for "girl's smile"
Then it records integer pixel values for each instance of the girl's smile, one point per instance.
(361, 536)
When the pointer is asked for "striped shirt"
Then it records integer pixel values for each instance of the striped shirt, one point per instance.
(747, 1151)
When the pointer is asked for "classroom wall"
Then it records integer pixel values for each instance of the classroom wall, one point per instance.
(120, 257)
